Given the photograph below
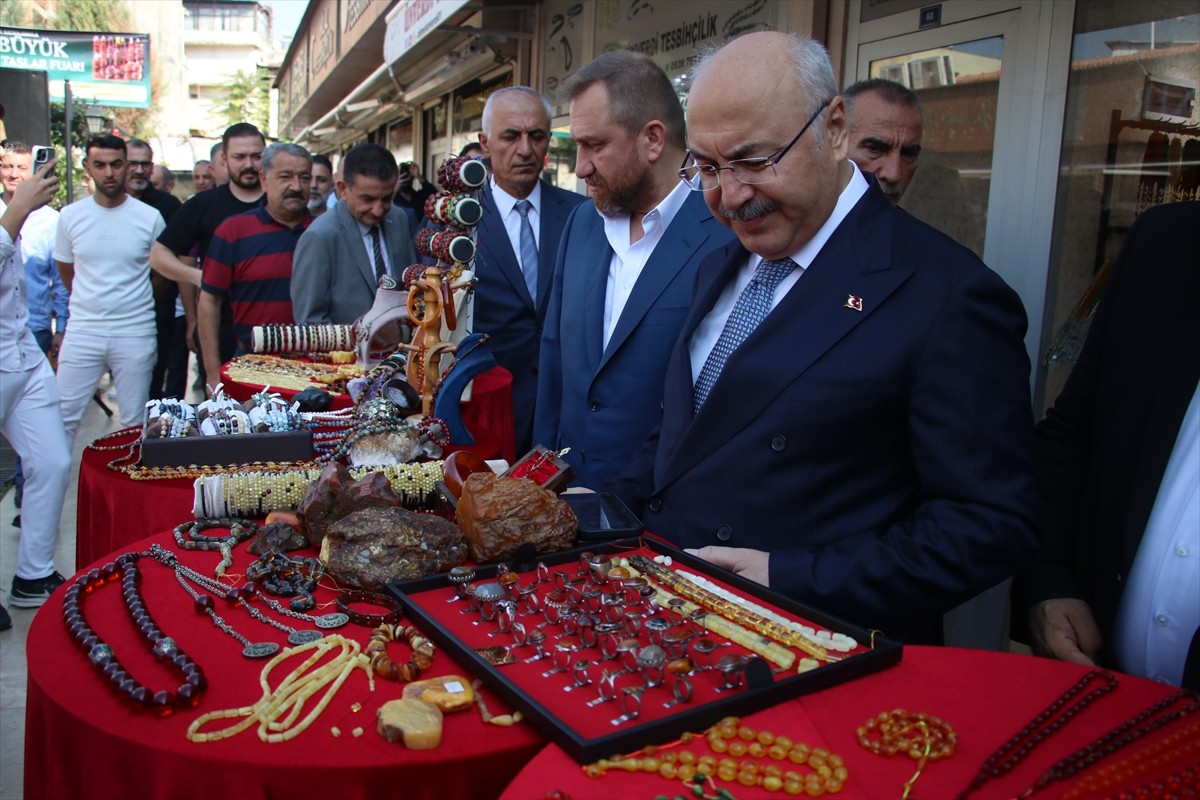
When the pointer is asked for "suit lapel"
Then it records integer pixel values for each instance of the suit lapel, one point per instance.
(552, 218)
(354, 241)
(591, 261)
(685, 235)
(498, 251)
(855, 261)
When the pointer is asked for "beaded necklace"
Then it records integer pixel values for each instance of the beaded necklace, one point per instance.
(1012, 752)
(732, 739)
(1179, 745)
(920, 736)
(164, 648)
(1149, 720)
(239, 531)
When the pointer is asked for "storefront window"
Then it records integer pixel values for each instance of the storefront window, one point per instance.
(467, 117)
(400, 140)
(1130, 142)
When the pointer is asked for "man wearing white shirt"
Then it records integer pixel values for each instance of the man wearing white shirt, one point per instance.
(523, 219)
(625, 269)
(29, 406)
(103, 255)
(1117, 580)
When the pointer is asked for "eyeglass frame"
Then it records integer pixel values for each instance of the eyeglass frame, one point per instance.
(762, 161)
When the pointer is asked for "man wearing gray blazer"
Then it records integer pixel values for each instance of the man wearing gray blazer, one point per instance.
(343, 254)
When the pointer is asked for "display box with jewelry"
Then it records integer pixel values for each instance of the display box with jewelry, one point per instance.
(634, 642)
(224, 431)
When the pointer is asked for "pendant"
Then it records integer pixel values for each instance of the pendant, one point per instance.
(304, 637)
(329, 621)
(260, 650)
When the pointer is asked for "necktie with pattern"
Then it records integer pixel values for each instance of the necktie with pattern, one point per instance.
(380, 267)
(751, 308)
(529, 250)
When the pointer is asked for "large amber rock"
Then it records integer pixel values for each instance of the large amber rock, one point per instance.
(371, 547)
(335, 494)
(500, 514)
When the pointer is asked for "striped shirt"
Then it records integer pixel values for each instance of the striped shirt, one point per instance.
(249, 263)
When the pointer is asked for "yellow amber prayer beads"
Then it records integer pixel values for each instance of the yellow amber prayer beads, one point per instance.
(736, 750)
(922, 737)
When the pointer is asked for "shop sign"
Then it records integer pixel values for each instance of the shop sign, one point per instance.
(111, 69)
(411, 21)
(322, 42)
(562, 46)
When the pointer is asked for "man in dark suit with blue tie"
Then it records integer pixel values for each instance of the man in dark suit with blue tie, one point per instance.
(523, 218)
(343, 254)
(846, 411)
(626, 267)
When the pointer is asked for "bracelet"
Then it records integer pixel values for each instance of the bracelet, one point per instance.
(376, 652)
(369, 620)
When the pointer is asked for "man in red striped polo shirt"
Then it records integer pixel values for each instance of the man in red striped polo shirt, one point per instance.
(249, 260)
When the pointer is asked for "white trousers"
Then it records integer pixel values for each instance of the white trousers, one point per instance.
(85, 357)
(32, 422)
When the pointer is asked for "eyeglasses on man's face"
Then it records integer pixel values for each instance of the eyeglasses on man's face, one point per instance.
(706, 177)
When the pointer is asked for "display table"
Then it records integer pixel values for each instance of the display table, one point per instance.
(82, 742)
(113, 510)
(987, 697)
(488, 415)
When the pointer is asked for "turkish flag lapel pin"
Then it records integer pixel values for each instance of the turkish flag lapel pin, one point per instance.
(854, 302)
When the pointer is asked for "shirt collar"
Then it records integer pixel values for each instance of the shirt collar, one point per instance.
(505, 201)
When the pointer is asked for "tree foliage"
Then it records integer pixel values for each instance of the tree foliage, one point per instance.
(248, 99)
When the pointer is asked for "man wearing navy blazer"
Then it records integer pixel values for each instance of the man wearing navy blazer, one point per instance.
(846, 412)
(336, 267)
(626, 267)
(523, 218)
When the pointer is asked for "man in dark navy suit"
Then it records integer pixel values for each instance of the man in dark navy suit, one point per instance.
(626, 267)
(523, 218)
(846, 412)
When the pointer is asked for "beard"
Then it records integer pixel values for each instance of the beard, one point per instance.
(316, 203)
(247, 178)
(138, 184)
(113, 192)
(619, 196)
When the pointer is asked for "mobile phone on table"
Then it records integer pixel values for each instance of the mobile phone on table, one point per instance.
(602, 515)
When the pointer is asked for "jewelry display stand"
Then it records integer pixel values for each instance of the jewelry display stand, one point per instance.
(557, 681)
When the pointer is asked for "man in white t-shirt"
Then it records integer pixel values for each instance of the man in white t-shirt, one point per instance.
(103, 254)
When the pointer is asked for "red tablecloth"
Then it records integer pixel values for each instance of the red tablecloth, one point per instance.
(987, 697)
(113, 510)
(488, 415)
(83, 743)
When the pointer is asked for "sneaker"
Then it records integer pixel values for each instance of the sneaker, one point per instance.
(32, 593)
(5, 619)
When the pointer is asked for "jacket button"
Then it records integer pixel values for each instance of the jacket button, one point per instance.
(778, 443)
(655, 504)
(724, 533)
(594, 406)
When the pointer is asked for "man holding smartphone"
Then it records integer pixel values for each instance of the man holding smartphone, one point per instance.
(45, 295)
(29, 404)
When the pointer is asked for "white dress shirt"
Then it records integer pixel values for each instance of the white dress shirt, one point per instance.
(629, 258)
(506, 208)
(1160, 609)
(709, 329)
(369, 243)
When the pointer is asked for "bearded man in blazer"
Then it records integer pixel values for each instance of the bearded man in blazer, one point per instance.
(336, 267)
(626, 267)
(514, 281)
(865, 446)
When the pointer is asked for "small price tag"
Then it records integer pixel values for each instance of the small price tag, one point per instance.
(454, 687)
